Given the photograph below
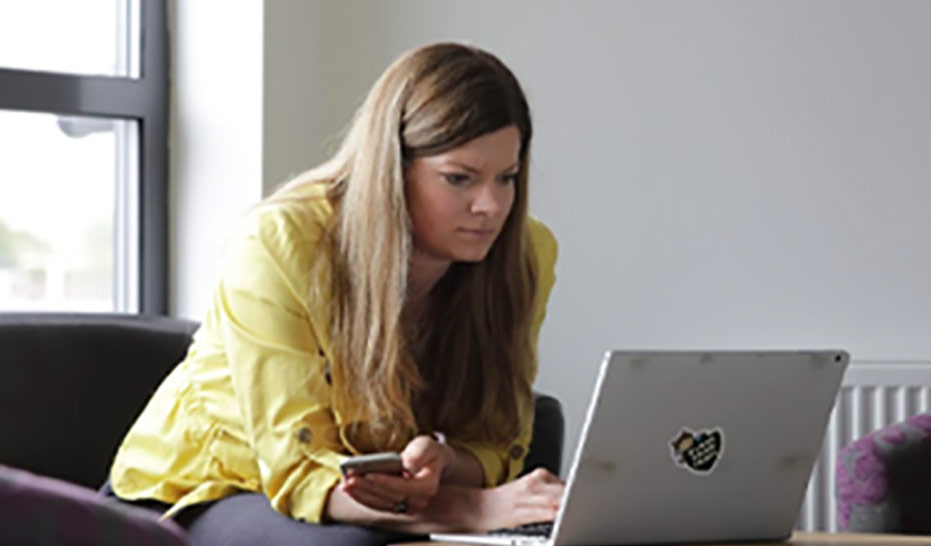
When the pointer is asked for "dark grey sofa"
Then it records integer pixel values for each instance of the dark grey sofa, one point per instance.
(71, 385)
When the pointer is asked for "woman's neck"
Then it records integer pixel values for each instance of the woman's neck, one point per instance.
(424, 272)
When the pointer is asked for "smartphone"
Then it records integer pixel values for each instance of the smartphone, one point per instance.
(387, 463)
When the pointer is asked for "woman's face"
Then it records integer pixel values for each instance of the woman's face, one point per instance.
(459, 200)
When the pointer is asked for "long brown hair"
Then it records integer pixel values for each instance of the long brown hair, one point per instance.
(473, 375)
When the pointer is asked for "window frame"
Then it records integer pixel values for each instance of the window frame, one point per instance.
(143, 99)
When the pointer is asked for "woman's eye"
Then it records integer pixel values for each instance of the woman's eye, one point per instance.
(509, 178)
(456, 179)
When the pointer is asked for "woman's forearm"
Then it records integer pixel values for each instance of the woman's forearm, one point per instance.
(465, 469)
(455, 508)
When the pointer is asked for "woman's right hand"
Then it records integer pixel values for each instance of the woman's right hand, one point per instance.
(424, 461)
(532, 498)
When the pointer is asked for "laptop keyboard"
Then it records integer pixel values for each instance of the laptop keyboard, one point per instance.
(541, 529)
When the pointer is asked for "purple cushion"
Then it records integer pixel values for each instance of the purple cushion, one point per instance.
(41, 511)
(863, 474)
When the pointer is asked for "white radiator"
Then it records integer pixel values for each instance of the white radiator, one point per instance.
(873, 395)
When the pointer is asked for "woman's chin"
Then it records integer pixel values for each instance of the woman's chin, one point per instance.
(472, 256)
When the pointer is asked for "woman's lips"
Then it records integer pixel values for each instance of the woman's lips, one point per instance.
(478, 233)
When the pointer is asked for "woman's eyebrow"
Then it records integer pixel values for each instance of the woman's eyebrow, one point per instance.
(474, 170)
(461, 165)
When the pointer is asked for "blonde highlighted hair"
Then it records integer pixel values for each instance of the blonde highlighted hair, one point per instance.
(474, 372)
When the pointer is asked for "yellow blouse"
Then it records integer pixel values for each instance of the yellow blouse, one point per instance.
(249, 408)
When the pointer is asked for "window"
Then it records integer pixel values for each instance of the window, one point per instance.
(83, 134)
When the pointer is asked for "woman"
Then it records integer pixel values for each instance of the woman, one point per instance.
(388, 300)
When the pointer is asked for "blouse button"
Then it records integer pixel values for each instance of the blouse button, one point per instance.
(304, 435)
(517, 451)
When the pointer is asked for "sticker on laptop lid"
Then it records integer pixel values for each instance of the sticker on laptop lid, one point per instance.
(698, 452)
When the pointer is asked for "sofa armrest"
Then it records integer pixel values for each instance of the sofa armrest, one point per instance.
(548, 431)
(80, 379)
(884, 480)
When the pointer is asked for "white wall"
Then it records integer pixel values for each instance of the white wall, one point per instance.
(719, 173)
(310, 92)
(216, 138)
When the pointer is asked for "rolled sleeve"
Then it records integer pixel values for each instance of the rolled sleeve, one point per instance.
(500, 463)
(489, 457)
(276, 366)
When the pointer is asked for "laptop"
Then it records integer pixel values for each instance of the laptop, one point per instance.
(692, 447)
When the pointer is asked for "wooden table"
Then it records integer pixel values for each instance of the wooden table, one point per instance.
(807, 539)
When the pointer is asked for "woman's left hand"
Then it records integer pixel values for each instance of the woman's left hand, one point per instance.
(424, 461)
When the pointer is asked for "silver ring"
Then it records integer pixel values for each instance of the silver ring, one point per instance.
(401, 507)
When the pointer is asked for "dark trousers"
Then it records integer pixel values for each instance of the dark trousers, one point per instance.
(247, 519)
